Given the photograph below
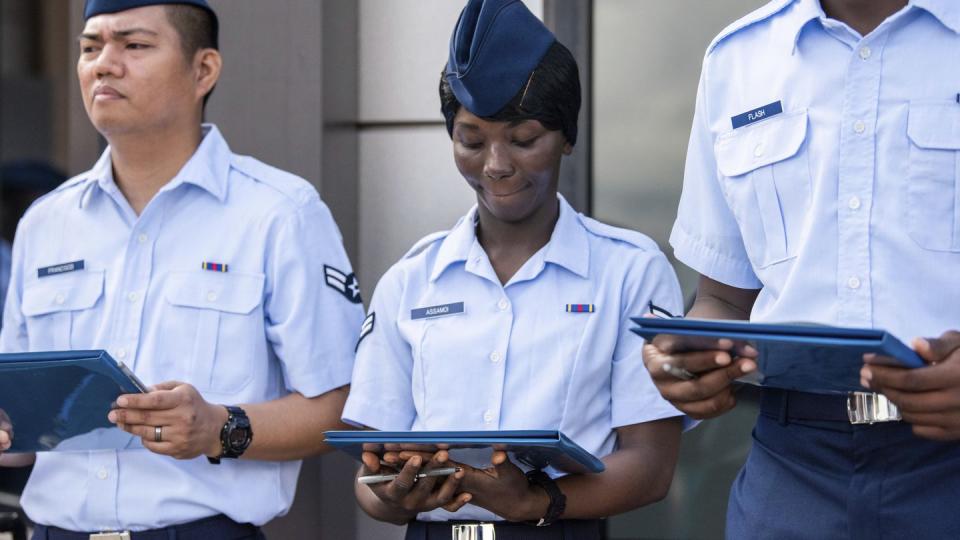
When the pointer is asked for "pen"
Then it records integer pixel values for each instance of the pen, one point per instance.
(679, 372)
(378, 478)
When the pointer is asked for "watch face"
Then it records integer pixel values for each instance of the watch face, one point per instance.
(238, 438)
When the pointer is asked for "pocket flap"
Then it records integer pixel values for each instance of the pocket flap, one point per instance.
(221, 291)
(65, 292)
(935, 125)
(745, 149)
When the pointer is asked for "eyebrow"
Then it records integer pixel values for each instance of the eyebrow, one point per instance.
(119, 34)
(465, 125)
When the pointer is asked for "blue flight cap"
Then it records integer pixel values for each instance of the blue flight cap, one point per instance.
(494, 48)
(99, 7)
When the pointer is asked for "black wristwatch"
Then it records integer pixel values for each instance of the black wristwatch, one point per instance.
(558, 501)
(235, 436)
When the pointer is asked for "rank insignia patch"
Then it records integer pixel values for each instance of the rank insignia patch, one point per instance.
(345, 284)
(214, 267)
(581, 308)
(366, 328)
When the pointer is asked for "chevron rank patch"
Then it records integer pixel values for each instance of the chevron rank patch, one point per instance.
(366, 328)
(581, 308)
(345, 284)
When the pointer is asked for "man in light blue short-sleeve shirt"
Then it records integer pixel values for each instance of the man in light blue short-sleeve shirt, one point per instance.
(218, 278)
(822, 184)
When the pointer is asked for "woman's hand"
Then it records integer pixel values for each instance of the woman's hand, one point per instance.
(504, 490)
(406, 496)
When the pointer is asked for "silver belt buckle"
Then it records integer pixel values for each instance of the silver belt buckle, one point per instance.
(473, 531)
(871, 408)
(122, 535)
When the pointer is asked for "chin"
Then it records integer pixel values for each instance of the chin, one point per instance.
(509, 211)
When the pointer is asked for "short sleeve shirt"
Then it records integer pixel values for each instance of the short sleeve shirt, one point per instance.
(824, 167)
(222, 282)
(447, 347)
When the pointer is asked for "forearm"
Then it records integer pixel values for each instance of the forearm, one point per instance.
(292, 427)
(716, 300)
(378, 509)
(635, 476)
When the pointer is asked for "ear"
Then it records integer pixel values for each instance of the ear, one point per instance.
(567, 148)
(207, 65)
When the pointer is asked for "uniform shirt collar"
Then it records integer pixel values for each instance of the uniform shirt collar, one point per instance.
(208, 168)
(568, 246)
(803, 12)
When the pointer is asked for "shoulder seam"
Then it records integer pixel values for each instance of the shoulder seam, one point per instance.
(758, 15)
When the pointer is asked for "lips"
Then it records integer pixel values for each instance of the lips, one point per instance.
(106, 92)
(506, 193)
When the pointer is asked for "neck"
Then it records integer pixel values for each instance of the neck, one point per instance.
(864, 16)
(140, 169)
(510, 245)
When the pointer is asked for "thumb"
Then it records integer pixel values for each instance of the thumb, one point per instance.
(167, 385)
(935, 350)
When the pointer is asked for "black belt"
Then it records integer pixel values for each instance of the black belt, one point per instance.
(787, 405)
(586, 529)
(211, 528)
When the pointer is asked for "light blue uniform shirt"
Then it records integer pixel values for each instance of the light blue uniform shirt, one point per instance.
(844, 208)
(267, 327)
(514, 357)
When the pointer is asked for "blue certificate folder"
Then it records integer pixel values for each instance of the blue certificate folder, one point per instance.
(537, 449)
(60, 400)
(807, 357)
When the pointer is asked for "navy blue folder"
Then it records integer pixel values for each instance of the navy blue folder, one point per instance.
(60, 400)
(807, 357)
(536, 449)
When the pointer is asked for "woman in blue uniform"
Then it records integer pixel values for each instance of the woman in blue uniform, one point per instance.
(517, 317)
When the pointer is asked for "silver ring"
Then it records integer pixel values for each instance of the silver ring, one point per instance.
(158, 434)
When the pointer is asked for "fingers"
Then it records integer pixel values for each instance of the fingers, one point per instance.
(937, 401)
(886, 378)
(936, 350)
(5, 441)
(156, 400)
(672, 344)
(401, 486)
(446, 495)
(458, 503)
(371, 463)
(707, 385)
(167, 385)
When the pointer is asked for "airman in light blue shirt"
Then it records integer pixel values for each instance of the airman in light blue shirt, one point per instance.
(214, 277)
(519, 316)
(822, 184)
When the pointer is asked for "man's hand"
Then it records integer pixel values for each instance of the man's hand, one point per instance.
(408, 495)
(190, 426)
(713, 364)
(928, 397)
(6, 432)
(504, 490)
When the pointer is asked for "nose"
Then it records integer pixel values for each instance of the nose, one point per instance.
(498, 164)
(108, 62)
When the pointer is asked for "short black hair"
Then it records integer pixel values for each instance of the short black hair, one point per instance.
(551, 96)
(197, 29)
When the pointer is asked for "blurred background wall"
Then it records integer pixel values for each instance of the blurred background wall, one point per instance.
(344, 93)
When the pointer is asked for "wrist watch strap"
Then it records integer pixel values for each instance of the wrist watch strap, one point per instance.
(558, 501)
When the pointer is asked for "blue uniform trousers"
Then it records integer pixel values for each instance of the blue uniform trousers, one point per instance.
(212, 528)
(814, 478)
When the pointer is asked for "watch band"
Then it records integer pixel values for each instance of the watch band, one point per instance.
(236, 420)
(558, 501)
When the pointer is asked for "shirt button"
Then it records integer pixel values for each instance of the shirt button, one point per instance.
(133, 297)
(758, 150)
(211, 296)
(494, 357)
(865, 53)
(60, 299)
(503, 304)
(859, 126)
(487, 417)
(102, 474)
(142, 238)
(854, 203)
(853, 282)
(121, 353)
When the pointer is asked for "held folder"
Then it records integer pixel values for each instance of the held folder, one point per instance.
(60, 400)
(536, 449)
(806, 357)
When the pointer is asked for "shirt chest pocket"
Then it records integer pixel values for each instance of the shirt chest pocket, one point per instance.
(63, 312)
(212, 330)
(766, 180)
(932, 201)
